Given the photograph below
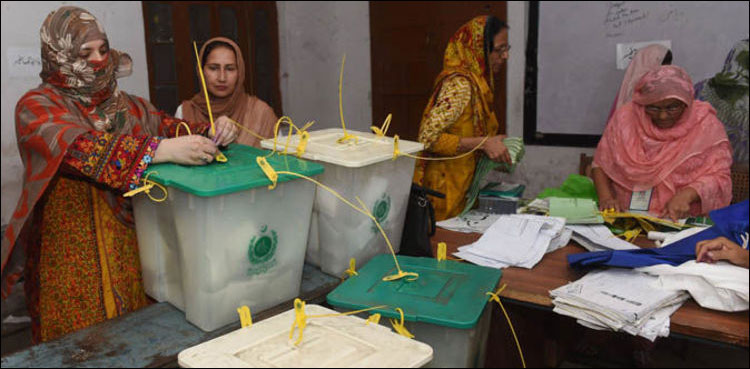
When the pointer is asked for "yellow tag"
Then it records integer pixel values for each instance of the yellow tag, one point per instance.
(374, 318)
(399, 326)
(396, 153)
(441, 251)
(300, 320)
(302, 144)
(221, 158)
(246, 320)
(401, 274)
(352, 268)
(268, 171)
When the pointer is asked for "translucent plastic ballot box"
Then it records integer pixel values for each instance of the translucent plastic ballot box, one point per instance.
(445, 307)
(329, 342)
(364, 168)
(222, 238)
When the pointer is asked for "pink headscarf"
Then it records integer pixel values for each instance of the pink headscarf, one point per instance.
(637, 155)
(645, 60)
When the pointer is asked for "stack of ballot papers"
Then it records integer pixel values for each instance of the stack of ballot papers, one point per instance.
(473, 221)
(517, 240)
(619, 300)
(575, 211)
(598, 238)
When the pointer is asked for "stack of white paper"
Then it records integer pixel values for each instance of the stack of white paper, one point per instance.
(619, 300)
(517, 240)
(473, 221)
(598, 238)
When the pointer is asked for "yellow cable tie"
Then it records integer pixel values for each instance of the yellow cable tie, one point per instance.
(399, 326)
(352, 271)
(396, 152)
(268, 171)
(304, 136)
(246, 320)
(138, 190)
(300, 320)
(374, 318)
(180, 125)
(441, 251)
(147, 186)
(401, 274)
(380, 132)
(495, 297)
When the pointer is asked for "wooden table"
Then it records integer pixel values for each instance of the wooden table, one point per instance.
(532, 286)
(150, 337)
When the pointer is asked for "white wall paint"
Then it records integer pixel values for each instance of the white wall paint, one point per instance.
(543, 166)
(21, 20)
(313, 36)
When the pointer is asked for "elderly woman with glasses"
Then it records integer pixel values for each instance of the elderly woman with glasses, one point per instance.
(664, 152)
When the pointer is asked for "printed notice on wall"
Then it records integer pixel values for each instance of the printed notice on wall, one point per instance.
(626, 51)
(24, 61)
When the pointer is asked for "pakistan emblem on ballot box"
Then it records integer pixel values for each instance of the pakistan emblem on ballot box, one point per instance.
(380, 211)
(262, 251)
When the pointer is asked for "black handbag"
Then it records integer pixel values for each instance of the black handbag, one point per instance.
(419, 225)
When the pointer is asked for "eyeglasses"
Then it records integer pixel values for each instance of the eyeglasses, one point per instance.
(672, 109)
(502, 49)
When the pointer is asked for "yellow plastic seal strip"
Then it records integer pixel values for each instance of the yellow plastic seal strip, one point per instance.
(220, 156)
(300, 318)
(399, 326)
(374, 318)
(346, 136)
(246, 320)
(268, 171)
(441, 251)
(146, 187)
(496, 297)
(352, 271)
(381, 132)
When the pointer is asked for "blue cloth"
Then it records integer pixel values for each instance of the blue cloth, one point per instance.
(730, 222)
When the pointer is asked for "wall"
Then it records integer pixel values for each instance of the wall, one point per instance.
(313, 36)
(21, 20)
(543, 166)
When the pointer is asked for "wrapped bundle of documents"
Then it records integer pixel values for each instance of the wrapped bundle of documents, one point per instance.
(619, 300)
(517, 240)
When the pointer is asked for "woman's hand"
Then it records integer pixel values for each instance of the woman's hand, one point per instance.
(187, 150)
(496, 150)
(610, 203)
(679, 206)
(721, 248)
(226, 131)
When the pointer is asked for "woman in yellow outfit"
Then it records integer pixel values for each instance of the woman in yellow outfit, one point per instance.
(459, 115)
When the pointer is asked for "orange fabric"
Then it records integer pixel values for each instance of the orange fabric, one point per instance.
(465, 57)
(86, 261)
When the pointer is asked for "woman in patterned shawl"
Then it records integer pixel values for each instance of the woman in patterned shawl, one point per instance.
(460, 114)
(727, 92)
(83, 144)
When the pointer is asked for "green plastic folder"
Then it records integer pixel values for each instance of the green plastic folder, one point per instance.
(575, 210)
